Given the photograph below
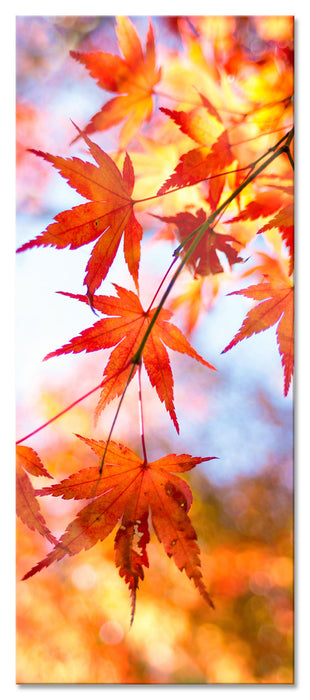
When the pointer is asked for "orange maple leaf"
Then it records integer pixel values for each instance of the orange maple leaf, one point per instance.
(277, 306)
(204, 260)
(195, 301)
(284, 221)
(107, 216)
(126, 491)
(126, 329)
(277, 202)
(132, 77)
(27, 506)
(204, 125)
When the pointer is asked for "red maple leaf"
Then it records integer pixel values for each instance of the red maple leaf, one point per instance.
(107, 216)
(27, 506)
(204, 260)
(132, 77)
(265, 203)
(126, 329)
(276, 306)
(126, 491)
(213, 156)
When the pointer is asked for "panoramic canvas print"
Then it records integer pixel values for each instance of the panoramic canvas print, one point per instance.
(154, 350)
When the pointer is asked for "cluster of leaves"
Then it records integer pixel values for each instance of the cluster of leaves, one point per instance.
(223, 138)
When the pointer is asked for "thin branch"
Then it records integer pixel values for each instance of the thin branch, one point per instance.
(200, 231)
(288, 153)
(251, 166)
(141, 418)
(197, 235)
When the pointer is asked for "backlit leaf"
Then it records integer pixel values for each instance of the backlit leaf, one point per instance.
(27, 505)
(276, 306)
(213, 156)
(132, 77)
(125, 329)
(107, 216)
(126, 492)
(204, 260)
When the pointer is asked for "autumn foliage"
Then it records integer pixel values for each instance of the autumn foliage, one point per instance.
(125, 492)
(200, 160)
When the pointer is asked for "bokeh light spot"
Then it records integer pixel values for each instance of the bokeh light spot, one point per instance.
(111, 632)
(84, 577)
(260, 583)
(282, 571)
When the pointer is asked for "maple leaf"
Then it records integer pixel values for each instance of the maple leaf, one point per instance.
(284, 221)
(27, 506)
(277, 201)
(264, 204)
(205, 126)
(204, 260)
(126, 330)
(276, 306)
(269, 269)
(126, 491)
(132, 77)
(195, 301)
(107, 216)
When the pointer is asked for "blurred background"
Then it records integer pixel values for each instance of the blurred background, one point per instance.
(73, 619)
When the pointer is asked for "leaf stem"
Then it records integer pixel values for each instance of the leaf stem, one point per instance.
(141, 418)
(132, 369)
(65, 410)
(162, 282)
(243, 115)
(258, 136)
(182, 187)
